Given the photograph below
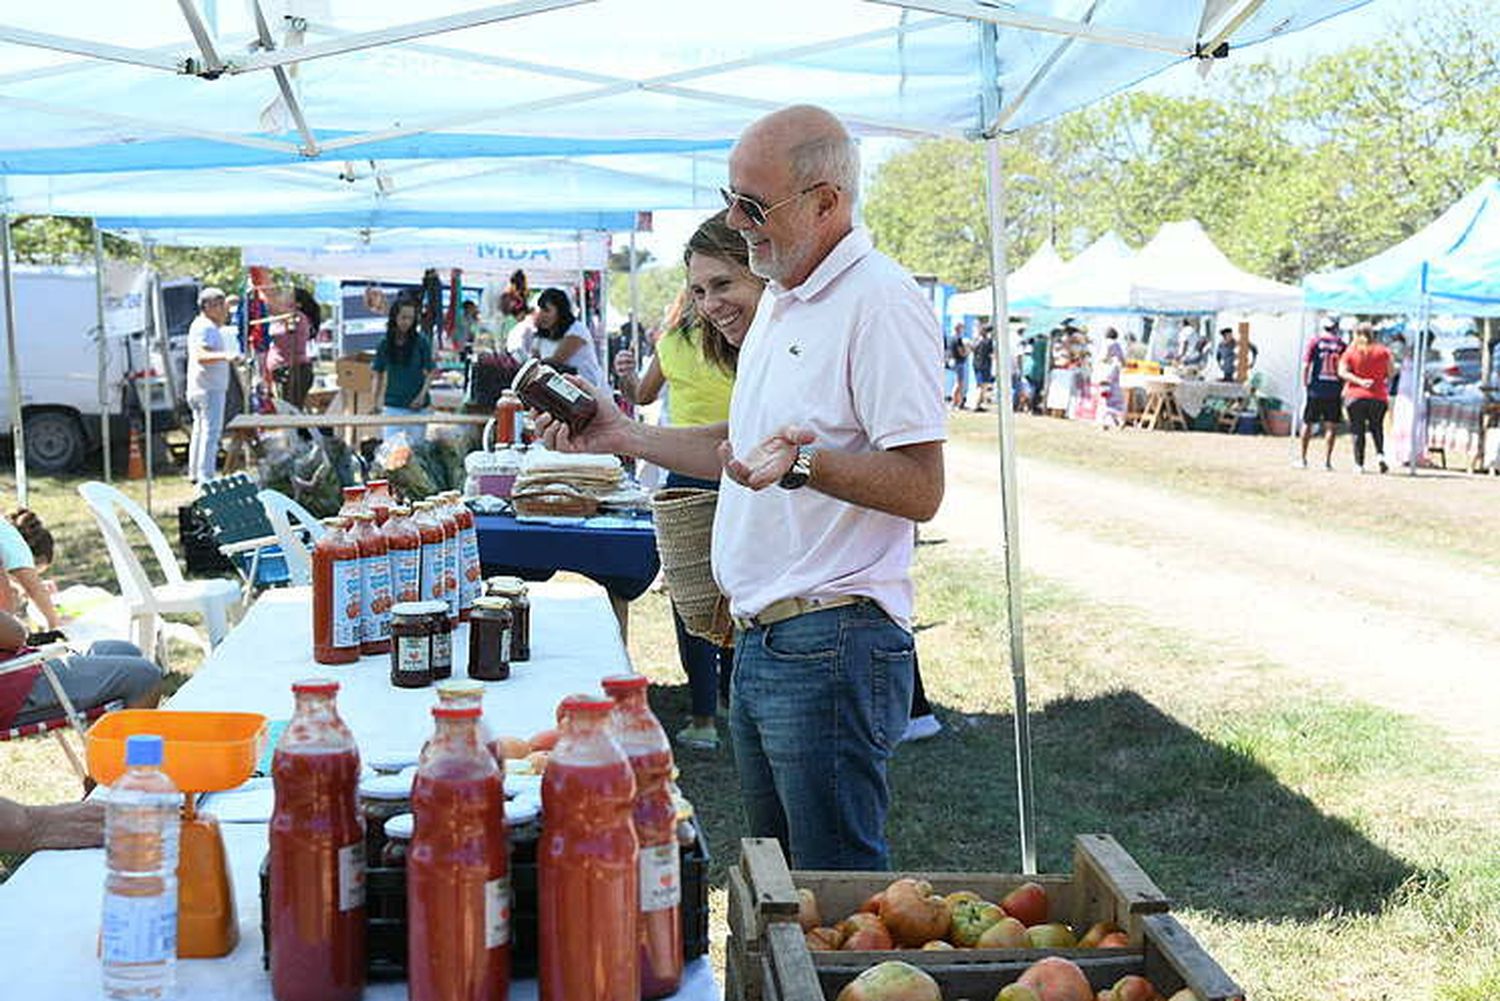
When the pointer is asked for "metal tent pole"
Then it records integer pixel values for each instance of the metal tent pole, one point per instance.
(18, 431)
(154, 289)
(1010, 532)
(1419, 388)
(104, 401)
(635, 303)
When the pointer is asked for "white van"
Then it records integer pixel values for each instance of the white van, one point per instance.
(57, 331)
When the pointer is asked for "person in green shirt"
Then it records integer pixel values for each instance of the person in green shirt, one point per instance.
(403, 370)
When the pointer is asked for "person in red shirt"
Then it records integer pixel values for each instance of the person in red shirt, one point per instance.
(1366, 371)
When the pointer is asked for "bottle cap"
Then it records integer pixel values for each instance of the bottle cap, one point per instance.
(585, 704)
(318, 686)
(375, 484)
(143, 749)
(402, 826)
(624, 683)
(354, 491)
(456, 712)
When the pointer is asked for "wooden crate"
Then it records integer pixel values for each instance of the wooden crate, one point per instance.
(767, 958)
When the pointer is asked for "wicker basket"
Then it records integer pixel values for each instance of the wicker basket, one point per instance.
(684, 533)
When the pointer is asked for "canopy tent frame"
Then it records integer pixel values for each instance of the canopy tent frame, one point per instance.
(1227, 16)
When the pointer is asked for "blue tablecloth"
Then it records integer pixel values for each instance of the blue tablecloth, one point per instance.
(617, 552)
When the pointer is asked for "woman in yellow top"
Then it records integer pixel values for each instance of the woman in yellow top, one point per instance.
(695, 360)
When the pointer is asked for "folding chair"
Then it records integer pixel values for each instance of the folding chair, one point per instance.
(212, 598)
(71, 718)
(243, 533)
(282, 512)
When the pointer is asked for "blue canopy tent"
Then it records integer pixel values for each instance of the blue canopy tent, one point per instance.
(1450, 266)
(104, 87)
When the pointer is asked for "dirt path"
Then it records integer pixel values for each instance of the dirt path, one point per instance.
(1418, 634)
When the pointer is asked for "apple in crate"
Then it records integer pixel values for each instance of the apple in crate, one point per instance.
(892, 981)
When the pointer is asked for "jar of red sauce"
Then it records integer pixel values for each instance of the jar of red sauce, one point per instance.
(378, 499)
(337, 596)
(542, 387)
(404, 544)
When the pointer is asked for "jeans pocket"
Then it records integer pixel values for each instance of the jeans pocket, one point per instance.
(805, 637)
(891, 676)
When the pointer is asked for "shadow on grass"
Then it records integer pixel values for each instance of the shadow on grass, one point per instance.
(1215, 829)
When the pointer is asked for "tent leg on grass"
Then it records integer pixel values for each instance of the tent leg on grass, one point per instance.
(104, 401)
(1009, 500)
(17, 432)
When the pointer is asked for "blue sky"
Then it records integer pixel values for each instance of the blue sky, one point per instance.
(1353, 28)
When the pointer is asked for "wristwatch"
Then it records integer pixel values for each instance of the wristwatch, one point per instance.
(801, 470)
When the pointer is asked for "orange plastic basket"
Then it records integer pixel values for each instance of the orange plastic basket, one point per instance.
(204, 751)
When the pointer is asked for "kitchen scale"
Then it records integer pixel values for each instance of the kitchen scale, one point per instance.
(203, 752)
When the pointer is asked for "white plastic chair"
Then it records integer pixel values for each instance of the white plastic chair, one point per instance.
(213, 599)
(283, 511)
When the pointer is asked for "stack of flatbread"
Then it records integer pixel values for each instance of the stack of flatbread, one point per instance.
(554, 483)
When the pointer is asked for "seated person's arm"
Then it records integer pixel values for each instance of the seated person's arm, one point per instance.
(13, 632)
(566, 349)
(36, 589)
(33, 828)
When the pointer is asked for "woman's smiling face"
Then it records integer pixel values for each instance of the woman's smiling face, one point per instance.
(725, 293)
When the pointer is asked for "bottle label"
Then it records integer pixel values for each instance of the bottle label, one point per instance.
(504, 646)
(497, 912)
(453, 575)
(432, 571)
(139, 929)
(352, 876)
(377, 598)
(472, 586)
(661, 877)
(412, 655)
(442, 651)
(406, 565)
(348, 602)
(562, 387)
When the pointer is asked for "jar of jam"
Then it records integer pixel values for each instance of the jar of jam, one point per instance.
(542, 387)
(489, 639)
(412, 643)
(442, 639)
(380, 799)
(514, 589)
(523, 818)
(398, 832)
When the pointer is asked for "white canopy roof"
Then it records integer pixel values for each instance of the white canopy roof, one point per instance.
(1096, 280)
(1024, 286)
(1179, 271)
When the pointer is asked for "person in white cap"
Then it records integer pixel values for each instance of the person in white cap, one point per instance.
(209, 355)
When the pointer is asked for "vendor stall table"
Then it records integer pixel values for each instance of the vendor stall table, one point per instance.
(49, 909)
(617, 552)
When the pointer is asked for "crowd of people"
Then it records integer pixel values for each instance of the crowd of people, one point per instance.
(1354, 377)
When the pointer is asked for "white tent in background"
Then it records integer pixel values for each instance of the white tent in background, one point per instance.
(1097, 280)
(1026, 286)
(1182, 271)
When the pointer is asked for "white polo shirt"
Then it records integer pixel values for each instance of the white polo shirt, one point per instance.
(855, 355)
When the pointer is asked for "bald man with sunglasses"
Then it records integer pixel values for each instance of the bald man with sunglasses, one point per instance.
(833, 448)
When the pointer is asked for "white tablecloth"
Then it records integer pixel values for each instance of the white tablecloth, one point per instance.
(49, 909)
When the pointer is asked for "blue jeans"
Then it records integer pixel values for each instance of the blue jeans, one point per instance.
(817, 705)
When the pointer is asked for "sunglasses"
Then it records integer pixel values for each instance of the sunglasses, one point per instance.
(755, 210)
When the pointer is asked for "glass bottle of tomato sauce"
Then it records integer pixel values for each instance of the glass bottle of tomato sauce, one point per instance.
(378, 499)
(586, 860)
(375, 585)
(354, 501)
(337, 599)
(430, 530)
(457, 868)
(404, 544)
(443, 514)
(317, 866)
(645, 743)
(469, 582)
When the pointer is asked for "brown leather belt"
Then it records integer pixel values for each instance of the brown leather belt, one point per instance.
(790, 608)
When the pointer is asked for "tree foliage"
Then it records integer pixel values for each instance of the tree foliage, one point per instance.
(67, 240)
(1291, 169)
(656, 288)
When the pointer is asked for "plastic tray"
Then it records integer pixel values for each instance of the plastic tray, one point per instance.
(205, 752)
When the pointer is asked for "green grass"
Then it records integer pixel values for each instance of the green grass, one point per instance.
(1309, 840)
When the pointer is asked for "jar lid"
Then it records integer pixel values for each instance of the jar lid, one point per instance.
(412, 608)
(386, 787)
(525, 372)
(390, 762)
(401, 827)
(376, 484)
(522, 810)
(587, 704)
(624, 683)
(453, 690)
(492, 603)
(519, 785)
(505, 586)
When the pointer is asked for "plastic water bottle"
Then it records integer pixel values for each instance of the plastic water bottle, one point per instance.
(141, 829)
